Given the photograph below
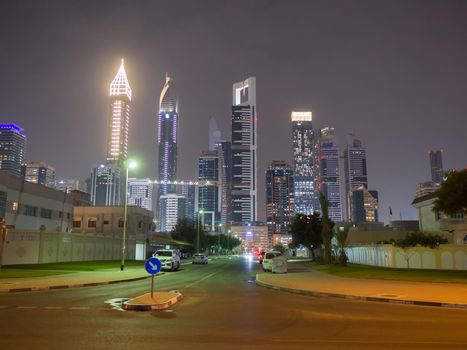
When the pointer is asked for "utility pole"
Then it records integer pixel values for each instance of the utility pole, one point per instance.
(4, 233)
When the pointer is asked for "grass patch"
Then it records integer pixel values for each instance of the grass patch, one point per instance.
(41, 270)
(384, 273)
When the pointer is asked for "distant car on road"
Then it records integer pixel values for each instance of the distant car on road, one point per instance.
(261, 257)
(200, 259)
(169, 258)
(267, 261)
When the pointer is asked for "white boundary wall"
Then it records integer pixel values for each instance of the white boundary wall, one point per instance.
(446, 257)
(34, 247)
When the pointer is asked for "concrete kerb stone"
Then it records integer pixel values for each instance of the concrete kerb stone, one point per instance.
(361, 298)
(65, 286)
(135, 305)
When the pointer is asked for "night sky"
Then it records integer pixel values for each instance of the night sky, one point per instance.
(392, 72)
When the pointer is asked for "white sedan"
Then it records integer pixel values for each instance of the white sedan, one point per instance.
(200, 259)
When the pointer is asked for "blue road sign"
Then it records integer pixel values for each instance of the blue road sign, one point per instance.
(152, 266)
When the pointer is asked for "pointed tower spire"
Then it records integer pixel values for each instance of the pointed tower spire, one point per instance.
(120, 85)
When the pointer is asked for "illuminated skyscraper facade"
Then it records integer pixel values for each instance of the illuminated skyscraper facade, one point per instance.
(329, 179)
(39, 173)
(355, 172)
(305, 196)
(119, 119)
(105, 185)
(140, 193)
(279, 197)
(244, 158)
(12, 148)
(209, 200)
(167, 137)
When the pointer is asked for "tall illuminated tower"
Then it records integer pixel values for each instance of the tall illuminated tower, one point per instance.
(329, 177)
(167, 137)
(119, 120)
(244, 146)
(303, 163)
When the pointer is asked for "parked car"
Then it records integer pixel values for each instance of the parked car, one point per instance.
(169, 258)
(279, 264)
(200, 258)
(267, 261)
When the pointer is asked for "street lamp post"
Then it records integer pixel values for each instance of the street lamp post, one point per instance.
(129, 164)
(197, 232)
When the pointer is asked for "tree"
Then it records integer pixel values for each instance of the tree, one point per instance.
(414, 239)
(452, 195)
(306, 230)
(186, 230)
(326, 232)
(342, 234)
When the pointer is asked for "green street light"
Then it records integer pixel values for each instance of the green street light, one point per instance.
(129, 164)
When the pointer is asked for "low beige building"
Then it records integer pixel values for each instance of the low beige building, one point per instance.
(109, 220)
(454, 227)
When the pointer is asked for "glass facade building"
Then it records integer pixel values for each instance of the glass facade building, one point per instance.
(12, 148)
(305, 195)
(279, 197)
(209, 200)
(329, 178)
(244, 205)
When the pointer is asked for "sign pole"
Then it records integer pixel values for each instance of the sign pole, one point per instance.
(152, 286)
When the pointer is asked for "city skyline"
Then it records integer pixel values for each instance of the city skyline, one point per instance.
(357, 98)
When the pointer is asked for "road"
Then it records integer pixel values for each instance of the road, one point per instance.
(222, 309)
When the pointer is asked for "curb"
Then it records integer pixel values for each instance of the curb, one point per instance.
(151, 307)
(66, 286)
(362, 298)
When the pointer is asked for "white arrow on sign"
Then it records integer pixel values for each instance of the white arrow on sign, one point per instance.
(153, 266)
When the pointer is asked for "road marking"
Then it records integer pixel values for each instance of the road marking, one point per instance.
(52, 307)
(3, 307)
(202, 279)
(26, 307)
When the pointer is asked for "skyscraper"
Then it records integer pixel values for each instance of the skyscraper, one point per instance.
(436, 164)
(188, 190)
(214, 133)
(119, 119)
(224, 151)
(209, 200)
(355, 170)
(167, 137)
(305, 197)
(12, 148)
(39, 173)
(140, 193)
(244, 146)
(329, 181)
(364, 205)
(172, 208)
(279, 197)
(105, 185)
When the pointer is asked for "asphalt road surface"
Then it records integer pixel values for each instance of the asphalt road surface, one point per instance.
(222, 309)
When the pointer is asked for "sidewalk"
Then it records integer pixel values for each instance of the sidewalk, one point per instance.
(72, 280)
(303, 281)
